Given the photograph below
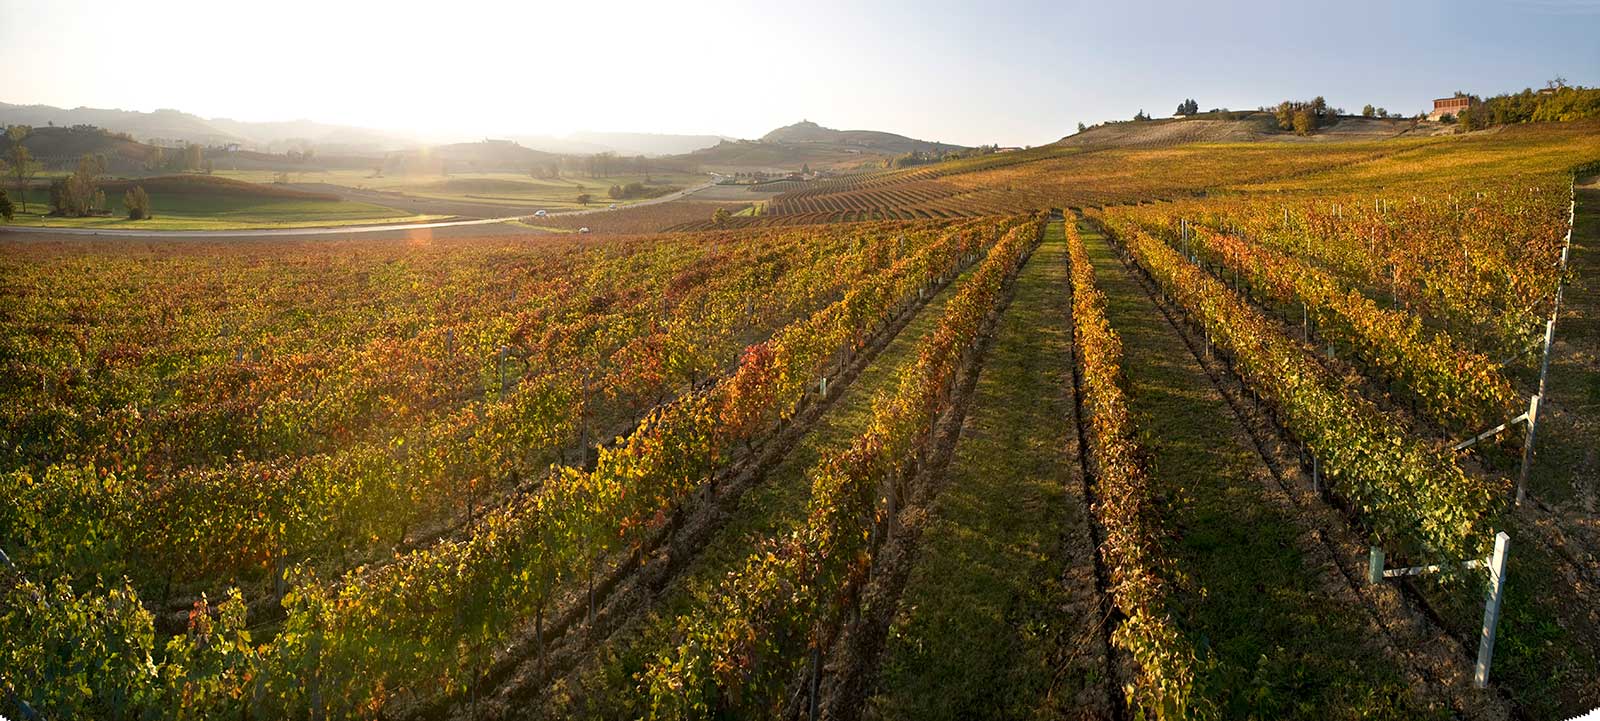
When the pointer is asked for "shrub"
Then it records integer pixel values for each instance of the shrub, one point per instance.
(137, 203)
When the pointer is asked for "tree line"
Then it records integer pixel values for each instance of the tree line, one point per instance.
(1557, 102)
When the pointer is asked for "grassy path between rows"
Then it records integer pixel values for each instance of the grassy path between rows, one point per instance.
(987, 628)
(1567, 470)
(609, 688)
(1273, 642)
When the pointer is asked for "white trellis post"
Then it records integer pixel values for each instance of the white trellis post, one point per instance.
(1491, 608)
(1527, 449)
(1496, 565)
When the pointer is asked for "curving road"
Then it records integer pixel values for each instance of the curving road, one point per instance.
(423, 205)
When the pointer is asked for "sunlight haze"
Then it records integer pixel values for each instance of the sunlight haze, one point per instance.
(469, 69)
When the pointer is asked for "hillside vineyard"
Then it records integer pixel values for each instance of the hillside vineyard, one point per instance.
(1091, 430)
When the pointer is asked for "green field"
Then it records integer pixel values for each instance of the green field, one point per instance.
(506, 188)
(207, 211)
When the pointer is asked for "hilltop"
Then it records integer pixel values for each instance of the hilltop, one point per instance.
(806, 131)
(807, 143)
(1243, 128)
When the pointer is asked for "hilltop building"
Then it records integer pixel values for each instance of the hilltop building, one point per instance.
(1452, 105)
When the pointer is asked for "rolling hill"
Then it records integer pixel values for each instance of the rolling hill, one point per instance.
(174, 126)
(625, 144)
(807, 143)
(59, 148)
(806, 131)
(1251, 127)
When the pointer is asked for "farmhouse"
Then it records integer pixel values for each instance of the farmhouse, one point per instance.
(1452, 105)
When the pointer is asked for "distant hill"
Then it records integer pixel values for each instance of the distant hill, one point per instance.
(806, 131)
(161, 124)
(624, 144)
(497, 154)
(482, 156)
(170, 127)
(807, 143)
(59, 148)
(279, 136)
(650, 144)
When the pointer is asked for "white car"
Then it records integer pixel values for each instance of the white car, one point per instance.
(584, 229)
(539, 214)
(613, 206)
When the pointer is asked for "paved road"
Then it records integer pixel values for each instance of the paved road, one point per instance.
(352, 194)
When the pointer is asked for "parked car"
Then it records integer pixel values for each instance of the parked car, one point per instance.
(613, 206)
(539, 214)
(584, 229)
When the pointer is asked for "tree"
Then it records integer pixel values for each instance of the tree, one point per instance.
(79, 193)
(193, 156)
(22, 167)
(1305, 121)
(7, 211)
(1285, 115)
(1140, 115)
(805, 168)
(1188, 107)
(1082, 127)
(137, 202)
(584, 198)
(719, 217)
(1367, 111)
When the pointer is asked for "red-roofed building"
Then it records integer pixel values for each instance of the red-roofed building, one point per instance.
(1452, 106)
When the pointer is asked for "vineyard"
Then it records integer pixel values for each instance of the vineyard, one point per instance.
(1186, 431)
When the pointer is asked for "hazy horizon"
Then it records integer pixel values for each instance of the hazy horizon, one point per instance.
(929, 71)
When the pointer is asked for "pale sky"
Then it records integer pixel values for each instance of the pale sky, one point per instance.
(968, 73)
